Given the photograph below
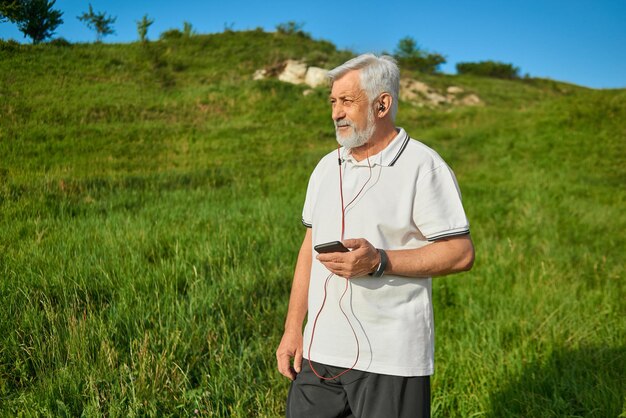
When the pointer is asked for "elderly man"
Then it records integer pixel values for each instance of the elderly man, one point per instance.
(395, 205)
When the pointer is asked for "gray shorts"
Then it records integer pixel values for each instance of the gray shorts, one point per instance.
(357, 394)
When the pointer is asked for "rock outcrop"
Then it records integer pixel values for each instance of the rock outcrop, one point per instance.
(411, 90)
(316, 77)
(424, 95)
(295, 72)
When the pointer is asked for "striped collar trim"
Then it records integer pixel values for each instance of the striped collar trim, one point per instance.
(388, 156)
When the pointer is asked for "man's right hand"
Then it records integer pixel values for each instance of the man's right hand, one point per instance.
(290, 348)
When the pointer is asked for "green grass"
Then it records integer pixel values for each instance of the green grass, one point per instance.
(150, 200)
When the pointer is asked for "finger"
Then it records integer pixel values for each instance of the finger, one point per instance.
(289, 373)
(297, 361)
(334, 267)
(284, 367)
(347, 271)
(332, 257)
(353, 242)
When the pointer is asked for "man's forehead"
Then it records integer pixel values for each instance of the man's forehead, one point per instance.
(348, 84)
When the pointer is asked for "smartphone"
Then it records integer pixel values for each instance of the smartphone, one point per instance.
(331, 247)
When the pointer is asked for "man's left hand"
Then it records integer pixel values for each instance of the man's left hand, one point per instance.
(360, 261)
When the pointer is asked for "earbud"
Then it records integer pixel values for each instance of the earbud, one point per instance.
(381, 107)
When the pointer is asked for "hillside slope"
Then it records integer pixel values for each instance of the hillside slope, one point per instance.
(150, 199)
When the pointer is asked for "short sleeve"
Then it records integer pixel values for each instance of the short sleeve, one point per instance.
(437, 210)
(307, 210)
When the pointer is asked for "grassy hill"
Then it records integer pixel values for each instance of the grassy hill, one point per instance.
(150, 200)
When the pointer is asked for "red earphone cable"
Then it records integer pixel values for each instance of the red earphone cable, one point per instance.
(343, 208)
(356, 360)
(343, 225)
(357, 195)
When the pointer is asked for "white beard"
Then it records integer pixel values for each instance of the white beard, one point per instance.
(358, 137)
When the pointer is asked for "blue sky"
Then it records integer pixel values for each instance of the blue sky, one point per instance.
(578, 41)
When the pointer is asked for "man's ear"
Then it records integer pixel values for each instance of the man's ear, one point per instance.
(383, 105)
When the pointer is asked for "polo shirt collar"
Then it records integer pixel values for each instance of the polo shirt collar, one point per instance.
(387, 157)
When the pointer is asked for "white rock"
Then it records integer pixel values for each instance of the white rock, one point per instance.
(316, 77)
(471, 100)
(454, 90)
(415, 86)
(307, 92)
(436, 98)
(423, 95)
(294, 72)
(259, 74)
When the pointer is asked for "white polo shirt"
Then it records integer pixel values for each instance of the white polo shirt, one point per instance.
(411, 199)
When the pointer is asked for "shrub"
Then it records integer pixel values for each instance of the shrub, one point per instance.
(489, 69)
(60, 42)
(292, 28)
(9, 45)
(412, 57)
(171, 35)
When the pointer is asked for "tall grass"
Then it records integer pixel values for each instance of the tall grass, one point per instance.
(150, 202)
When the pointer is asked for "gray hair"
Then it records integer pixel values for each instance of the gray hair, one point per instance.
(378, 75)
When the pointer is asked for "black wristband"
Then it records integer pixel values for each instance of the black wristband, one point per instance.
(380, 270)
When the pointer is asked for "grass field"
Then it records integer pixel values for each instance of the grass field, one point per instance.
(150, 201)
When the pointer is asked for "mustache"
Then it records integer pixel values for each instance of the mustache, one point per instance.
(343, 123)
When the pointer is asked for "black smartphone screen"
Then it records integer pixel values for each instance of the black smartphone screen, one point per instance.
(331, 247)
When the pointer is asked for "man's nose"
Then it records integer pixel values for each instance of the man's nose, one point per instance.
(338, 112)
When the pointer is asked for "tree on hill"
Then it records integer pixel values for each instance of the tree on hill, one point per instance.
(98, 22)
(188, 31)
(9, 10)
(142, 27)
(410, 56)
(36, 19)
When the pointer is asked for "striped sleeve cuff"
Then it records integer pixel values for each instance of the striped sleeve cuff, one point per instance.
(447, 234)
(308, 225)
